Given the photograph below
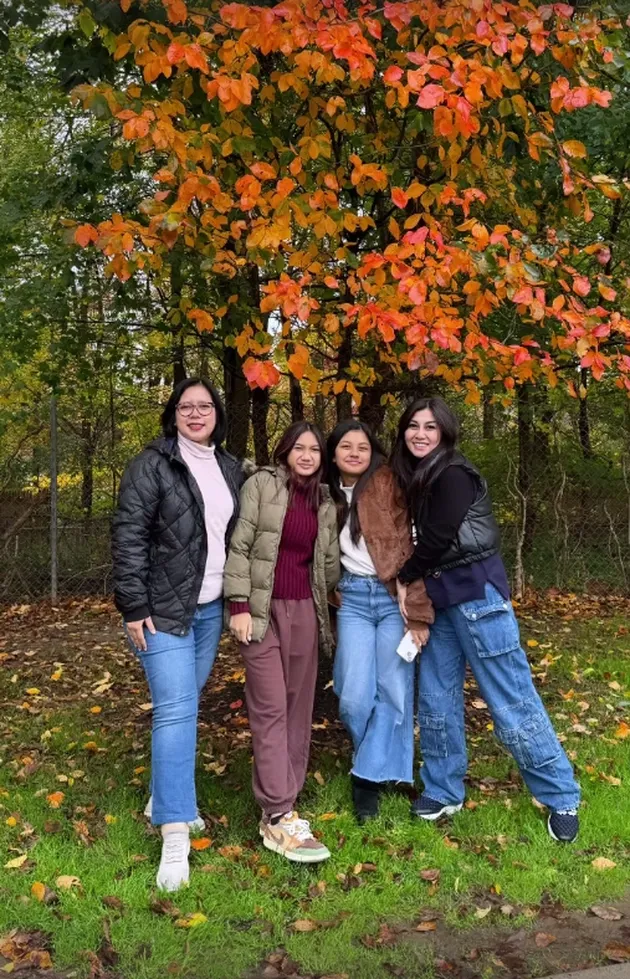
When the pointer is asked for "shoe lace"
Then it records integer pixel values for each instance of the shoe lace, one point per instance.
(174, 848)
(299, 828)
(566, 812)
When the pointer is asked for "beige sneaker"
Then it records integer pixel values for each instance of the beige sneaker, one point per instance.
(291, 837)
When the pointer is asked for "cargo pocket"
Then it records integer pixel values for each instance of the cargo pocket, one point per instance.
(433, 741)
(492, 627)
(533, 744)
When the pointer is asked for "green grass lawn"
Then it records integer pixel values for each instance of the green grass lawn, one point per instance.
(57, 670)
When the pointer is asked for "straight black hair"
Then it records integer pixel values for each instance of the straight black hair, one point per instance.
(168, 414)
(334, 476)
(417, 476)
(313, 484)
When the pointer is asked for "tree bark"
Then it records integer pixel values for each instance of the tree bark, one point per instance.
(87, 468)
(260, 411)
(371, 411)
(488, 414)
(296, 399)
(344, 356)
(177, 332)
(525, 464)
(237, 400)
(584, 422)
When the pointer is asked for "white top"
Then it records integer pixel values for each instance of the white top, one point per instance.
(355, 558)
(218, 507)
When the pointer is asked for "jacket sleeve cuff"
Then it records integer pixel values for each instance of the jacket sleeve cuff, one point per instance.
(137, 614)
(237, 607)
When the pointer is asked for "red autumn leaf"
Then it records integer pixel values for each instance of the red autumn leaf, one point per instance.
(431, 96)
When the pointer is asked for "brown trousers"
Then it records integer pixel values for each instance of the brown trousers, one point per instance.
(280, 676)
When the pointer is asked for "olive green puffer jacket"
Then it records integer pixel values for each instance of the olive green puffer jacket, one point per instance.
(251, 563)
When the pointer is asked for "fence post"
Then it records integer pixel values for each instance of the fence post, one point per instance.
(54, 575)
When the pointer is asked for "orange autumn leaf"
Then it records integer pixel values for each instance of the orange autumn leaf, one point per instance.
(623, 731)
(201, 843)
(54, 799)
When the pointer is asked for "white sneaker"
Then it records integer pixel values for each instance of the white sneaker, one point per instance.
(173, 871)
(198, 824)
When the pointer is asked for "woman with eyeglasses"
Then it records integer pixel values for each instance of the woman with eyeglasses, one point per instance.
(178, 504)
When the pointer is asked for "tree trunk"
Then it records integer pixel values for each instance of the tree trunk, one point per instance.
(87, 468)
(296, 399)
(488, 414)
(260, 411)
(344, 356)
(237, 399)
(177, 331)
(371, 411)
(584, 422)
(525, 464)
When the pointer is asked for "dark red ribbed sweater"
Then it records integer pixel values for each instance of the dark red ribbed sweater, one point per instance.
(292, 579)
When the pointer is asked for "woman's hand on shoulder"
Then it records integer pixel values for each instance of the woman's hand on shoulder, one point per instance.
(241, 627)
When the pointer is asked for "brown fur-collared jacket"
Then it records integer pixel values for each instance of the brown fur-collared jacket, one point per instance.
(386, 527)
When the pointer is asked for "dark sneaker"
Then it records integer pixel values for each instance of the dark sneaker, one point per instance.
(365, 798)
(426, 808)
(563, 825)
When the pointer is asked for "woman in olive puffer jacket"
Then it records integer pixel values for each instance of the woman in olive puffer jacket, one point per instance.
(178, 504)
(283, 561)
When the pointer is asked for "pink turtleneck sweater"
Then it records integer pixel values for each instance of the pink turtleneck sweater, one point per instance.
(218, 507)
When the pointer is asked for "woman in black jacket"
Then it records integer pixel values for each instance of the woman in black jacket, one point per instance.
(457, 555)
(177, 507)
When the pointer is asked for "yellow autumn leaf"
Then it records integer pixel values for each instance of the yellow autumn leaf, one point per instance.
(603, 863)
(191, 920)
(38, 890)
(32, 691)
(573, 147)
(532, 643)
(16, 862)
(95, 710)
(110, 820)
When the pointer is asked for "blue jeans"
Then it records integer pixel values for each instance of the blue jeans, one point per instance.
(177, 668)
(374, 685)
(484, 633)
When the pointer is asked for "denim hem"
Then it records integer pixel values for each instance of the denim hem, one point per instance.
(158, 820)
(388, 778)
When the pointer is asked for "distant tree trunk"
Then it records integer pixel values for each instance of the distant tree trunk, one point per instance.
(296, 398)
(260, 411)
(371, 411)
(525, 463)
(237, 399)
(320, 411)
(344, 356)
(87, 468)
(177, 332)
(488, 414)
(584, 422)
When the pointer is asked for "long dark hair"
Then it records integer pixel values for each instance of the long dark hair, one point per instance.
(168, 414)
(313, 484)
(334, 476)
(417, 476)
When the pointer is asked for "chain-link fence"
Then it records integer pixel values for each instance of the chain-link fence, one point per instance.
(563, 504)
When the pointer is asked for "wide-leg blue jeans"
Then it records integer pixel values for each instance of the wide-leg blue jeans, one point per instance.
(484, 633)
(177, 668)
(374, 685)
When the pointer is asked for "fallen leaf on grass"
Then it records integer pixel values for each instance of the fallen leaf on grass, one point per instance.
(316, 890)
(426, 926)
(617, 953)
(607, 914)
(67, 882)
(304, 924)
(386, 936)
(162, 905)
(55, 799)
(191, 920)
(16, 862)
(603, 863)
(432, 874)
(482, 912)
(23, 950)
(43, 893)
(201, 843)
(113, 902)
(230, 852)
(542, 939)
(319, 778)
(623, 731)
(327, 815)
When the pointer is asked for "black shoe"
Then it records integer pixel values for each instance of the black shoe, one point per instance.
(365, 797)
(426, 808)
(563, 826)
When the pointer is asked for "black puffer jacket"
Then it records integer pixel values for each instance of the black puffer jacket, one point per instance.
(159, 543)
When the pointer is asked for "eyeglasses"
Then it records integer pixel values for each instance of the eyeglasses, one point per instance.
(186, 409)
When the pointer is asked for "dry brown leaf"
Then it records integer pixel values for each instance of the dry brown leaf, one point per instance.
(603, 863)
(304, 924)
(606, 913)
(431, 874)
(616, 952)
(543, 939)
(67, 882)
(482, 912)
(319, 778)
(426, 926)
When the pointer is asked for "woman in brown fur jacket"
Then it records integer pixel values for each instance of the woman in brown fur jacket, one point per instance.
(374, 684)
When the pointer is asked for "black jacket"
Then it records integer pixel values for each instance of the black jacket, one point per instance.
(455, 526)
(159, 544)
